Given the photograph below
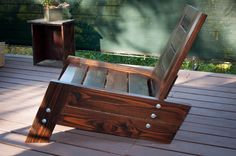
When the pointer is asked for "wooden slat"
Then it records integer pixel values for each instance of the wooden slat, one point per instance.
(198, 91)
(53, 148)
(188, 18)
(178, 39)
(204, 104)
(95, 77)
(8, 150)
(116, 81)
(138, 84)
(118, 67)
(87, 119)
(135, 106)
(206, 120)
(18, 65)
(27, 72)
(25, 77)
(74, 74)
(204, 132)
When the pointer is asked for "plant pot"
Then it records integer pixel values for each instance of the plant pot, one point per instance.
(53, 14)
(2, 58)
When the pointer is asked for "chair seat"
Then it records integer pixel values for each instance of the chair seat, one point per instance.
(107, 79)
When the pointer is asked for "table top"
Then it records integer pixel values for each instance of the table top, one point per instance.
(53, 23)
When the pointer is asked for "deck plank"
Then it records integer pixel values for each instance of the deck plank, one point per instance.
(8, 150)
(209, 128)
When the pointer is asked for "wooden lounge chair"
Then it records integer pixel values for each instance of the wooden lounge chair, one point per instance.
(118, 99)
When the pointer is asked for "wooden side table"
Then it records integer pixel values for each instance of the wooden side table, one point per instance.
(52, 41)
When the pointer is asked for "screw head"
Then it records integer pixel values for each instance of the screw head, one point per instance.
(48, 110)
(44, 121)
(158, 106)
(153, 115)
(148, 125)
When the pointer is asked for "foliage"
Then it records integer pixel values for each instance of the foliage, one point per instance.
(117, 58)
(56, 3)
(190, 63)
(210, 66)
(46, 2)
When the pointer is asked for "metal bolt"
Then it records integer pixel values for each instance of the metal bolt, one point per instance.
(48, 110)
(148, 125)
(44, 121)
(153, 115)
(158, 106)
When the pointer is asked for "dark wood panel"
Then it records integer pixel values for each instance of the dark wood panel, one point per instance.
(90, 120)
(117, 81)
(48, 113)
(125, 105)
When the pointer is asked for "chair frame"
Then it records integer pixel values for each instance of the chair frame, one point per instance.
(115, 112)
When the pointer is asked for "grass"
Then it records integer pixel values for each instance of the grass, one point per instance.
(190, 63)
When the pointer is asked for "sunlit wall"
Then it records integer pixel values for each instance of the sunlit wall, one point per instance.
(139, 26)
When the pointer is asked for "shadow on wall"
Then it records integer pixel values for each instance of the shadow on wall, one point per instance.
(140, 26)
(130, 26)
(13, 17)
(14, 30)
(86, 37)
(217, 39)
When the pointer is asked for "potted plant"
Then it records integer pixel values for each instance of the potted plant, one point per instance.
(2, 49)
(53, 9)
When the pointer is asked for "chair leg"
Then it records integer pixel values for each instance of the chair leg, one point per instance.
(48, 113)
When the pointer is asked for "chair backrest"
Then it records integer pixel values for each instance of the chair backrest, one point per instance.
(176, 50)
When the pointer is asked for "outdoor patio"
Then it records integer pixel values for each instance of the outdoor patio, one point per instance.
(209, 128)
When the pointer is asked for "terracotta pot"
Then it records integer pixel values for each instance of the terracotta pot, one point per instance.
(53, 14)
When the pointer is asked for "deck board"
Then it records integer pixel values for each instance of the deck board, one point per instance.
(209, 128)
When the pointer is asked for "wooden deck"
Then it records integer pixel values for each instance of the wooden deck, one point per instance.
(209, 129)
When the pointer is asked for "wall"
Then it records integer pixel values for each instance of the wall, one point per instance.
(130, 26)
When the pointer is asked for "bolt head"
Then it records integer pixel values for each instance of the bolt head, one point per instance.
(148, 125)
(48, 110)
(44, 121)
(158, 106)
(153, 115)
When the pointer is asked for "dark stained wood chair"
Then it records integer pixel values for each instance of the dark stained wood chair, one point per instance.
(118, 99)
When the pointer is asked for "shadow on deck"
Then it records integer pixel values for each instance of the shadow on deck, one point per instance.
(209, 128)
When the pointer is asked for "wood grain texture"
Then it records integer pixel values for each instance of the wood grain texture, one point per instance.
(95, 77)
(90, 107)
(138, 84)
(126, 104)
(91, 120)
(117, 81)
(74, 74)
(202, 133)
(112, 66)
(53, 99)
(52, 41)
(176, 50)
(122, 114)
